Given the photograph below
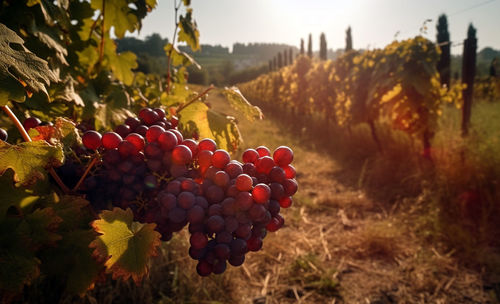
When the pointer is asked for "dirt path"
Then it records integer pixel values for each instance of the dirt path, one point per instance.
(338, 246)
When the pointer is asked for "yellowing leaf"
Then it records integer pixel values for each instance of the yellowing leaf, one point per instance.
(241, 104)
(198, 118)
(122, 65)
(124, 244)
(117, 15)
(29, 159)
(179, 57)
(188, 31)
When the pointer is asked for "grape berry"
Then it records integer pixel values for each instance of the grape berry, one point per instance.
(146, 165)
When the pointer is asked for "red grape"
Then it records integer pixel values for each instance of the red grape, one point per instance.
(111, 140)
(264, 164)
(250, 156)
(91, 140)
(132, 122)
(137, 140)
(290, 186)
(207, 144)
(263, 151)
(244, 182)
(285, 202)
(289, 171)
(123, 130)
(31, 122)
(283, 156)
(153, 133)
(205, 158)
(167, 140)
(220, 158)
(192, 145)
(261, 193)
(3, 135)
(198, 240)
(181, 155)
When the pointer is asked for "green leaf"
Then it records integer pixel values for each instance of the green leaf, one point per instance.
(122, 65)
(124, 244)
(241, 104)
(66, 92)
(179, 57)
(40, 227)
(117, 15)
(18, 267)
(114, 110)
(52, 43)
(17, 63)
(29, 160)
(72, 257)
(189, 31)
(198, 118)
(10, 195)
(71, 261)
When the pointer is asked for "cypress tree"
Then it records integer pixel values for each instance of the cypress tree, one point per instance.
(493, 69)
(348, 39)
(280, 61)
(310, 47)
(285, 58)
(468, 74)
(322, 46)
(290, 56)
(274, 64)
(270, 65)
(301, 46)
(443, 40)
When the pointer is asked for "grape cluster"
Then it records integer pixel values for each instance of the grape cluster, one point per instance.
(165, 179)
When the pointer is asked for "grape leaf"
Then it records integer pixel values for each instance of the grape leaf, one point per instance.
(122, 64)
(189, 31)
(10, 195)
(124, 244)
(241, 104)
(71, 261)
(17, 63)
(114, 110)
(198, 118)
(72, 257)
(52, 43)
(63, 131)
(65, 91)
(117, 15)
(40, 227)
(29, 159)
(179, 57)
(18, 265)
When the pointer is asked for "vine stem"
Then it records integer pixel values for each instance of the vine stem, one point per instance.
(169, 61)
(82, 178)
(27, 138)
(183, 106)
(101, 47)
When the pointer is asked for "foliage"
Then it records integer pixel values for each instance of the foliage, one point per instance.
(398, 84)
(83, 83)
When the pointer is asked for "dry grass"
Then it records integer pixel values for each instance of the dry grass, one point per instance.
(339, 243)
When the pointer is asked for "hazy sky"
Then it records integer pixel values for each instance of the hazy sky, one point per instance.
(374, 22)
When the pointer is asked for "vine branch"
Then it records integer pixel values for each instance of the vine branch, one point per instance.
(169, 61)
(89, 167)
(27, 138)
(183, 106)
(101, 47)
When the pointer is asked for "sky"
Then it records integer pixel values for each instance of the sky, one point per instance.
(374, 23)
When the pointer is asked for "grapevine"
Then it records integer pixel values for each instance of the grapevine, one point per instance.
(89, 188)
